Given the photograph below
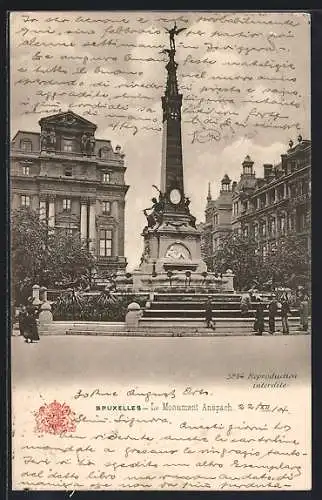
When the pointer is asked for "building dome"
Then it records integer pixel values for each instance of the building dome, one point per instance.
(225, 179)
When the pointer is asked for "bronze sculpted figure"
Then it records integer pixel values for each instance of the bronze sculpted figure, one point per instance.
(84, 142)
(48, 139)
(87, 144)
(172, 33)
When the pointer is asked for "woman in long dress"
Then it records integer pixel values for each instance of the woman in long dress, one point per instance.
(31, 327)
(304, 313)
(22, 317)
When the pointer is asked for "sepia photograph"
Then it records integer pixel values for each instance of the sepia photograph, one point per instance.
(160, 218)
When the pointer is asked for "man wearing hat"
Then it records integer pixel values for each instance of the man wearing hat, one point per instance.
(272, 312)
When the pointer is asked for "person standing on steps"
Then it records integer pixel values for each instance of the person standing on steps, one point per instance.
(304, 313)
(245, 304)
(208, 314)
(259, 317)
(285, 310)
(272, 312)
(31, 327)
(22, 317)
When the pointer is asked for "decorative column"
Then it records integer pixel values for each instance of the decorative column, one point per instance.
(115, 214)
(285, 190)
(274, 224)
(42, 209)
(83, 219)
(121, 228)
(51, 212)
(266, 228)
(92, 226)
(267, 198)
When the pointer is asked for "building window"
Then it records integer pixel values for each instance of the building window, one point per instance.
(26, 145)
(68, 171)
(265, 251)
(67, 204)
(68, 145)
(25, 201)
(25, 170)
(106, 177)
(256, 230)
(263, 229)
(263, 201)
(245, 231)
(105, 243)
(215, 219)
(272, 196)
(282, 224)
(273, 226)
(68, 231)
(106, 207)
(280, 193)
(305, 187)
(293, 190)
(104, 153)
(235, 208)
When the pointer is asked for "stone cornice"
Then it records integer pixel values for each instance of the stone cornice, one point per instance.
(265, 211)
(65, 217)
(72, 158)
(279, 181)
(99, 185)
(106, 220)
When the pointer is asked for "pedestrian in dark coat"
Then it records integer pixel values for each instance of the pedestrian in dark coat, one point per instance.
(285, 310)
(304, 313)
(31, 327)
(22, 317)
(259, 317)
(208, 313)
(272, 312)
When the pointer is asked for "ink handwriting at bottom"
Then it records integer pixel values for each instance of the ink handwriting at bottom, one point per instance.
(257, 444)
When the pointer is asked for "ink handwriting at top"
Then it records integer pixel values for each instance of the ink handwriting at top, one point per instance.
(260, 54)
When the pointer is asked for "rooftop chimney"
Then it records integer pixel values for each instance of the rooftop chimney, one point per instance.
(248, 166)
(268, 171)
(209, 197)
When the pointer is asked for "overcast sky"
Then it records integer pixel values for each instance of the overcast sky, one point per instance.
(215, 47)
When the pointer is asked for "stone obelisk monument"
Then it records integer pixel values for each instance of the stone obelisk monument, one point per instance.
(171, 240)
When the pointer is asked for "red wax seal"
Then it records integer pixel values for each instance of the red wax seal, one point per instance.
(55, 418)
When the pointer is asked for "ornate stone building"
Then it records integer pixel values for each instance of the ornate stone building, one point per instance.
(266, 208)
(75, 181)
(217, 220)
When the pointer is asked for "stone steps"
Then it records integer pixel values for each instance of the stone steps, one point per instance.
(175, 333)
(200, 313)
(224, 322)
(61, 327)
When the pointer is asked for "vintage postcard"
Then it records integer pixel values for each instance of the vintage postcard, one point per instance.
(160, 183)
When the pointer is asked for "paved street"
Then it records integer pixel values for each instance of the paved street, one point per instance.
(73, 359)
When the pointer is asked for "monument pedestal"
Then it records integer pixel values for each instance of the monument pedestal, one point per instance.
(180, 283)
(174, 245)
